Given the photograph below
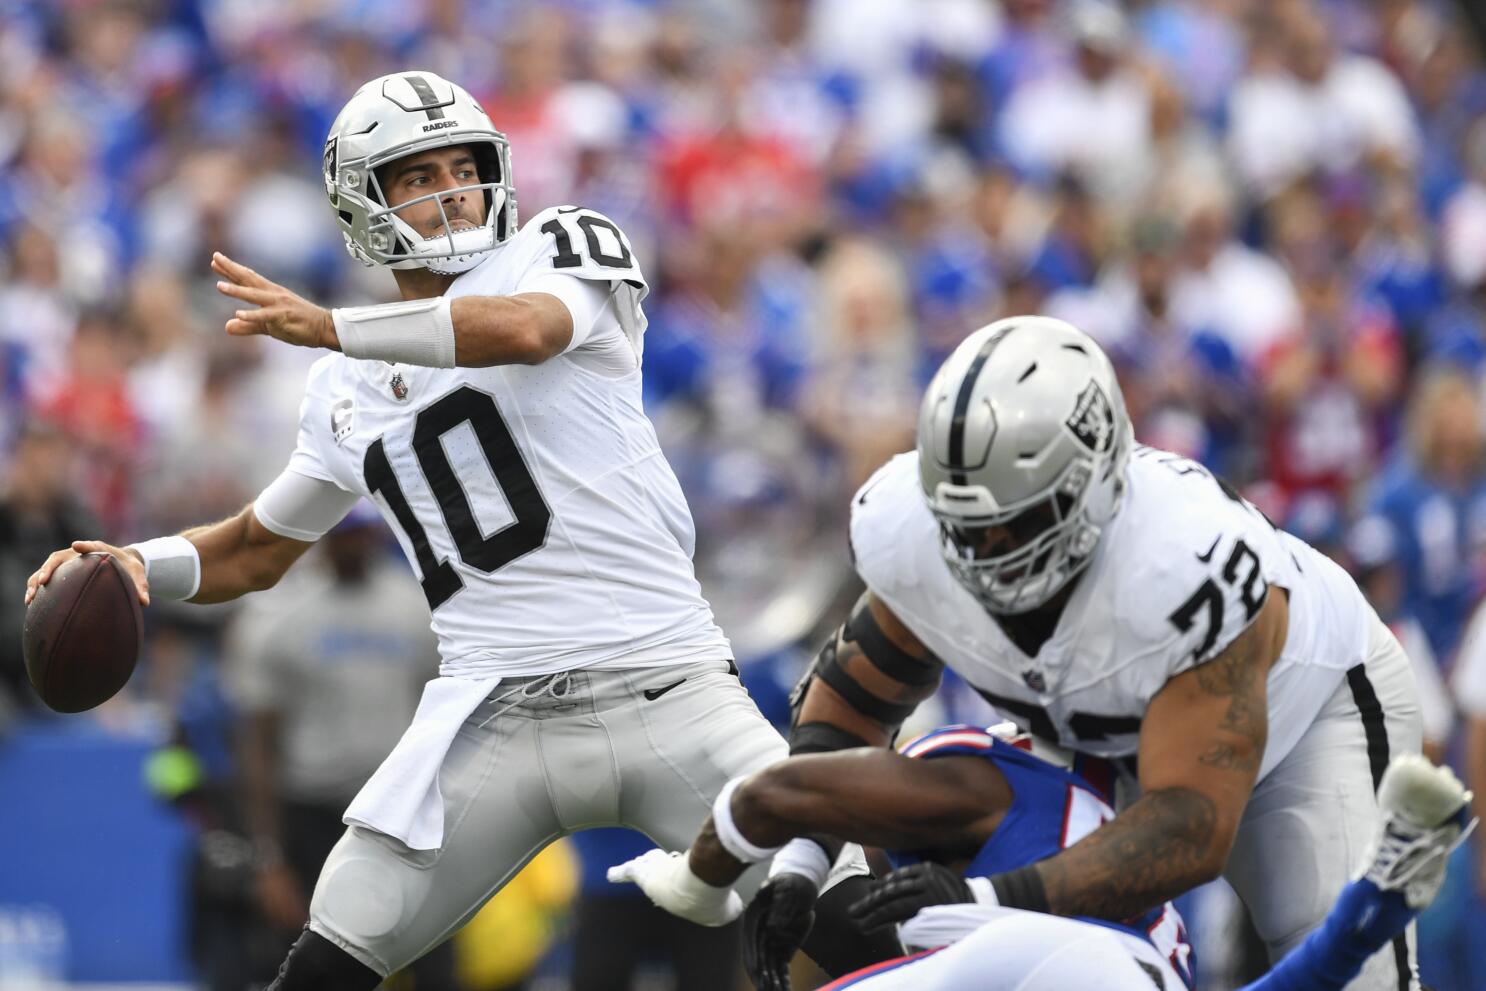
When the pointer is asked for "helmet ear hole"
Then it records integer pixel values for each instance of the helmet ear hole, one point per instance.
(488, 167)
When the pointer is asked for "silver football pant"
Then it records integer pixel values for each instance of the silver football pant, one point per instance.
(1307, 826)
(600, 754)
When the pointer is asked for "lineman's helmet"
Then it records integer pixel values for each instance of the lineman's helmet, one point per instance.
(1023, 441)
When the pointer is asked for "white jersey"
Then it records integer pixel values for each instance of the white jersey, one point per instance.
(534, 502)
(1181, 571)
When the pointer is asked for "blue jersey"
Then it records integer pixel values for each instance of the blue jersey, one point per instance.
(1051, 809)
(1437, 538)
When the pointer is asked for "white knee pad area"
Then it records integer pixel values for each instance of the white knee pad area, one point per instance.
(359, 898)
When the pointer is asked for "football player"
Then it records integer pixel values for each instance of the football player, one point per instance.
(954, 806)
(1120, 601)
(494, 417)
(989, 806)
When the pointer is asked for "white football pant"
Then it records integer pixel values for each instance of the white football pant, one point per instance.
(1307, 826)
(603, 754)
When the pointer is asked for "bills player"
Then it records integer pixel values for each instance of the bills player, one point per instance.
(494, 417)
(955, 806)
(988, 806)
(1123, 602)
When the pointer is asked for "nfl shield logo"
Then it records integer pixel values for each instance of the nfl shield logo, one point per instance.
(399, 387)
(1035, 680)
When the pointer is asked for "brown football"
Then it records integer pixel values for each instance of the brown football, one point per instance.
(83, 633)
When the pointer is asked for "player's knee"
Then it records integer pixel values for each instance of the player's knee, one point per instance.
(315, 963)
(359, 898)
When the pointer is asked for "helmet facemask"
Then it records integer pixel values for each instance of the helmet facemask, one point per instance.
(1022, 446)
(393, 241)
(1051, 540)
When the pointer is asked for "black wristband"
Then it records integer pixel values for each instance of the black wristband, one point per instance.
(1021, 888)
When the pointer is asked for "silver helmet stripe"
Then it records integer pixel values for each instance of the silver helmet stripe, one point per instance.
(426, 96)
(957, 461)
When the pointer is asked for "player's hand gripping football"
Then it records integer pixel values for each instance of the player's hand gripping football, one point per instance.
(900, 894)
(275, 311)
(668, 881)
(775, 925)
(132, 562)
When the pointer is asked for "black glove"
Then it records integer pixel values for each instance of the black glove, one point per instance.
(900, 894)
(775, 924)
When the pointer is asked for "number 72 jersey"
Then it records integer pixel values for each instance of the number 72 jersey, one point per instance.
(1180, 572)
(534, 502)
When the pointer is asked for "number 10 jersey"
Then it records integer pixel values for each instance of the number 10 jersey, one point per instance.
(1182, 569)
(533, 501)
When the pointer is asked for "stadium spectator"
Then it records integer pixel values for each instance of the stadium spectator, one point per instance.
(1328, 384)
(1434, 499)
(1303, 106)
(37, 509)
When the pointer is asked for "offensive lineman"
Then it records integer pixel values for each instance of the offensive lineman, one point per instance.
(1120, 601)
(494, 418)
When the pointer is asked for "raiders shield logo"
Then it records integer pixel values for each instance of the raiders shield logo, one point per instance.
(399, 387)
(332, 149)
(1092, 420)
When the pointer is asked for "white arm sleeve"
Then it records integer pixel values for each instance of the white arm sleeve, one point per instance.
(302, 508)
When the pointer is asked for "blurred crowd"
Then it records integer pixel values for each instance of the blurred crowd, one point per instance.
(1272, 213)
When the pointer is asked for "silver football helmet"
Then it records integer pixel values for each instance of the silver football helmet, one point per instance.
(404, 114)
(1023, 441)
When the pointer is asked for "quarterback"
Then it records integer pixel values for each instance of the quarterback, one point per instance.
(1122, 602)
(493, 416)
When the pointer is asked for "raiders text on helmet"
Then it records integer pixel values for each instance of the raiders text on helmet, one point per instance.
(404, 114)
(1023, 440)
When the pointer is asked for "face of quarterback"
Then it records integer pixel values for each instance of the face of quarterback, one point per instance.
(435, 171)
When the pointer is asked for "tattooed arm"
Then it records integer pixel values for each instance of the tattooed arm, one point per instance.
(1201, 742)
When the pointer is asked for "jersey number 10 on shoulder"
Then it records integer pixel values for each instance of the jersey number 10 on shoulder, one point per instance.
(488, 553)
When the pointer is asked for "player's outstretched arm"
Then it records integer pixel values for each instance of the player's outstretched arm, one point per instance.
(869, 796)
(1201, 743)
(471, 331)
(231, 558)
(865, 795)
(240, 555)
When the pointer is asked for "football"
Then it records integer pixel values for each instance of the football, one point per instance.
(83, 633)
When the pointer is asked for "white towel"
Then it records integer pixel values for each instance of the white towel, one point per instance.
(941, 925)
(402, 798)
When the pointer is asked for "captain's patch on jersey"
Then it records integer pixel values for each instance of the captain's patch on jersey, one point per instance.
(1092, 420)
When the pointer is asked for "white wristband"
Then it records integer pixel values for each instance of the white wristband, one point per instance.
(804, 857)
(983, 890)
(733, 841)
(171, 566)
(412, 332)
